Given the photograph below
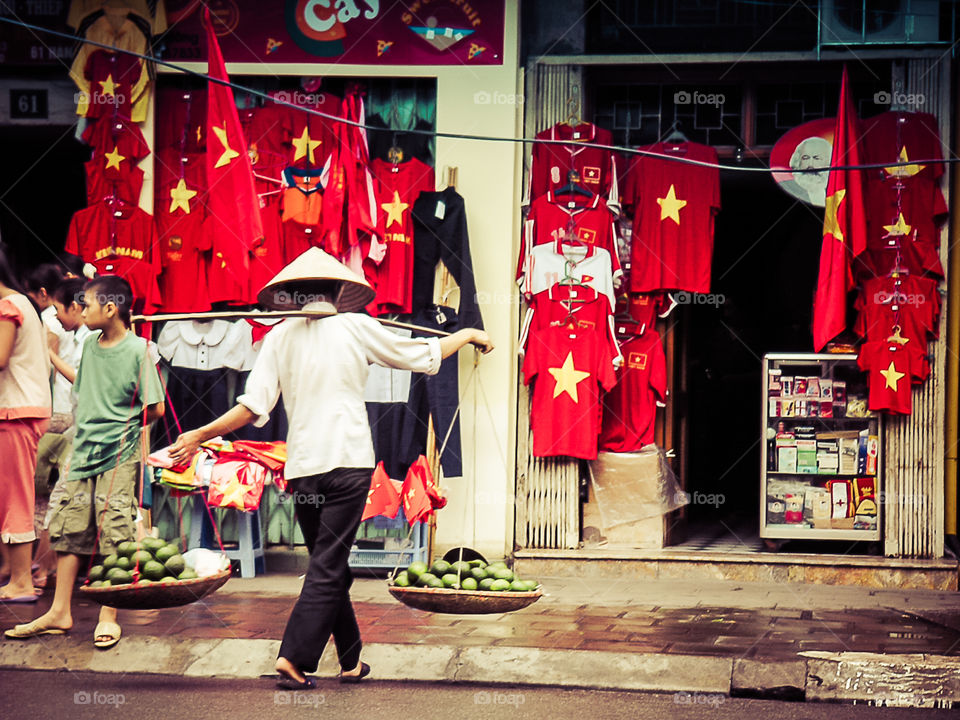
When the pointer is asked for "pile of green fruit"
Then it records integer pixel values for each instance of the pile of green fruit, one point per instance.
(464, 575)
(152, 560)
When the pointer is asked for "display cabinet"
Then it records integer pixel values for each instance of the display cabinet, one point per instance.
(822, 456)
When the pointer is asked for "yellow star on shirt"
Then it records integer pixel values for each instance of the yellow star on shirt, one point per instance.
(108, 86)
(567, 378)
(228, 152)
(180, 197)
(305, 146)
(899, 228)
(670, 207)
(892, 376)
(904, 170)
(114, 159)
(831, 225)
(233, 493)
(394, 209)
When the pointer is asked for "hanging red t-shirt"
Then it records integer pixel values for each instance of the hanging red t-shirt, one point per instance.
(181, 230)
(892, 370)
(674, 208)
(552, 218)
(267, 258)
(298, 238)
(264, 132)
(116, 80)
(914, 304)
(887, 135)
(568, 367)
(184, 115)
(573, 306)
(910, 218)
(397, 188)
(309, 139)
(99, 188)
(630, 409)
(122, 242)
(551, 163)
(645, 308)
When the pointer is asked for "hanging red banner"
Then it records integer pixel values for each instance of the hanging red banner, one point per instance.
(355, 32)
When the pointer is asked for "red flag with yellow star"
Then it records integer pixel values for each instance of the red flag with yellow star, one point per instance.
(383, 498)
(844, 226)
(232, 202)
(415, 497)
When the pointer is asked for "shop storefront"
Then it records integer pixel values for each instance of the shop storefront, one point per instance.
(444, 67)
(724, 342)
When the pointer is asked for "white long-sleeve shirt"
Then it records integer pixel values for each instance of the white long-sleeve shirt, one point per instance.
(321, 367)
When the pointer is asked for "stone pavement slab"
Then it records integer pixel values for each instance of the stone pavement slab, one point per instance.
(667, 635)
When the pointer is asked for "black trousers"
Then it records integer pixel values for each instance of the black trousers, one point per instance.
(328, 509)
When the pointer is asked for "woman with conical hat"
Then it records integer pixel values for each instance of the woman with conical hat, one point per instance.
(320, 366)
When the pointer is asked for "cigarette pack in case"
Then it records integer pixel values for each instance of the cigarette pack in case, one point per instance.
(849, 450)
(813, 387)
(826, 389)
(873, 451)
(806, 457)
(800, 385)
(787, 459)
(786, 385)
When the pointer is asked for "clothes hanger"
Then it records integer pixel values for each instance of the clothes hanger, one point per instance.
(573, 118)
(395, 154)
(676, 139)
(896, 337)
(573, 186)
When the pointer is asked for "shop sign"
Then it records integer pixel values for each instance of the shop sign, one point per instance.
(27, 47)
(28, 105)
(353, 32)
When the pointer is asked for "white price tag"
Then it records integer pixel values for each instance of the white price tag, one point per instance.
(441, 210)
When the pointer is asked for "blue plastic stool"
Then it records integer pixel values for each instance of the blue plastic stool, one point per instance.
(249, 549)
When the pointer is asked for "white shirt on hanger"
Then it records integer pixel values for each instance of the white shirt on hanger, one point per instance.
(321, 367)
(202, 345)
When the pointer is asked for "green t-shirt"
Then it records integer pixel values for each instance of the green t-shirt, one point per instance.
(113, 384)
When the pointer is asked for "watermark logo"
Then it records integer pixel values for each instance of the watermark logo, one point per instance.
(485, 697)
(299, 699)
(293, 297)
(298, 97)
(482, 97)
(688, 298)
(99, 98)
(697, 698)
(695, 97)
(84, 697)
(300, 498)
(899, 98)
(882, 297)
(699, 498)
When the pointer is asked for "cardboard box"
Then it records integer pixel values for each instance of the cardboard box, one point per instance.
(629, 485)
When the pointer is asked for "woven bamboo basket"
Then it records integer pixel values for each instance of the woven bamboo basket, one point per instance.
(155, 595)
(463, 602)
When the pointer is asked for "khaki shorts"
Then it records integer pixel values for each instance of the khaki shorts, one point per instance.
(74, 519)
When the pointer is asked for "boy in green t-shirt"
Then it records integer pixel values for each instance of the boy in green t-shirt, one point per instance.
(98, 508)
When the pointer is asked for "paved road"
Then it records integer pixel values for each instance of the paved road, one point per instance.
(27, 695)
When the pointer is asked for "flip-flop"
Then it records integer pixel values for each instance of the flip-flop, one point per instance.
(364, 671)
(20, 599)
(285, 682)
(32, 629)
(109, 630)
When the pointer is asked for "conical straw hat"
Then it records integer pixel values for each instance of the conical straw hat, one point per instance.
(299, 282)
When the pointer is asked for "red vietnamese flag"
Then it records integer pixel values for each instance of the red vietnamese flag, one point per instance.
(416, 500)
(383, 498)
(421, 466)
(232, 203)
(844, 226)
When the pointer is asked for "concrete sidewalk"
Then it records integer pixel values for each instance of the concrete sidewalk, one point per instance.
(790, 641)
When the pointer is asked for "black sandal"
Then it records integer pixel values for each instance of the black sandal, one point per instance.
(364, 671)
(285, 682)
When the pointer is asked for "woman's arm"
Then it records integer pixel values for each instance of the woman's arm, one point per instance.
(452, 343)
(68, 372)
(8, 333)
(186, 445)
